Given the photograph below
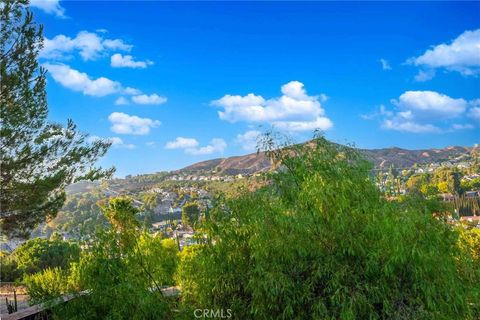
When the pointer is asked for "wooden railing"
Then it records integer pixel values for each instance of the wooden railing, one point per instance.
(42, 311)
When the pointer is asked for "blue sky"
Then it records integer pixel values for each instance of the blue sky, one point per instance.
(177, 83)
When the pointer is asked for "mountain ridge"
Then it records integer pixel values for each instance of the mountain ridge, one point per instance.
(381, 158)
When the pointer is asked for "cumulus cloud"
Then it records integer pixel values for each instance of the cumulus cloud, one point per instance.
(119, 143)
(215, 146)
(430, 105)
(49, 6)
(131, 91)
(400, 124)
(381, 112)
(461, 55)
(424, 75)
(459, 126)
(121, 101)
(322, 123)
(81, 82)
(119, 61)
(191, 146)
(123, 123)
(182, 143)
(295, 110)
(248, 140)
(425, 112)
(474, 113)
(385, 64)
(89, 45)
(149, 99)
(116, 142)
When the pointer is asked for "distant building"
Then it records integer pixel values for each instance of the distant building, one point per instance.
(472, 194)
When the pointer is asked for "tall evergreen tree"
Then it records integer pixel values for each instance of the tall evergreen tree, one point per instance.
(37, 158)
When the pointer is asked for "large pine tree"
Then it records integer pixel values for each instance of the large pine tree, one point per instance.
(37, 158)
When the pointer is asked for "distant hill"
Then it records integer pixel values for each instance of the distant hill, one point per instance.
(381, 158)
(404, 158)
(82, 187)
(249, 163)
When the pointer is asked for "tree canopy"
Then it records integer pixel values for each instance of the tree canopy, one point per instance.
(37, 158)
(320, 242)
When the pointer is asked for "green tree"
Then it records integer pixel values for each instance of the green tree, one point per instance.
(190, 214)
(415, 183)
(37, 158)
(150, 201)
(448, 180)
(39, 254)
(320, 242)
(123, 270)
(46, 285)
(454, 182)
(468, 185)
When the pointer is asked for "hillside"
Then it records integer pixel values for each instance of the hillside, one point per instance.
(382, 158)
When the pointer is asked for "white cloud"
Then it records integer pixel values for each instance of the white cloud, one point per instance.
(149, 99)
(457, 126)
(116, 142)
(131, 91)
(89, 45)
(190, 146)
(430, 105)
(461, 55)
(425, 75)
(425, 112)
(216, 145)
(474, 113)
(381, 112)
(409, 126)
(295, 110)
(248, 140)
(121, 101)
(127, 61)
(49, 6)
(123, 123)
(81, 82)
(119, 143)
(323, 97)
(116, 44)
(385, 64)
(182, 143)
(321, 123)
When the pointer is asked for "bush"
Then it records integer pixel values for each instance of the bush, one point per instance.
(123, 271)
(9, 270)
(39, 254)
(46, 285)
(319, 242)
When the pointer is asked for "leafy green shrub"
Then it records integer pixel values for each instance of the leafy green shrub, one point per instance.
(319, 242)
(123, 270)
(38, 254)
(46, 285)
(190, 214)
(9, 270)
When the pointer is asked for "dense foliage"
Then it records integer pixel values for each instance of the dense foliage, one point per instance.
(47, 285)
(190, 214)
(38, 158)
(80, 216)
(320, 242)
(37, 255)
(120, 273)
